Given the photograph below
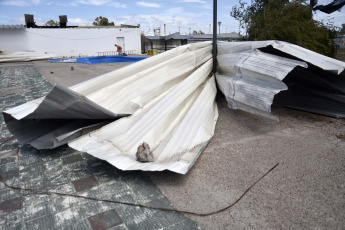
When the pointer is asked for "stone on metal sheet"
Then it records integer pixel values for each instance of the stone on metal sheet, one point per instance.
(144, 153)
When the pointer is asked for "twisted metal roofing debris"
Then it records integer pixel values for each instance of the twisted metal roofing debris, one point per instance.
(45, 122)
(167, 102)
(177, 128)
(255, 75)
(171, 98)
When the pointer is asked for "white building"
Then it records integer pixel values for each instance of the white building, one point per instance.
(78, 41)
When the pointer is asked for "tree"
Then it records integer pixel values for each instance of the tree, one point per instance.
(198, 33)
(102, 21)
(51, 22)
(285, 20)
(342, 31)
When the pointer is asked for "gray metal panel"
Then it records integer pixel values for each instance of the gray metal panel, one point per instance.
(253, 80)
(39, 122)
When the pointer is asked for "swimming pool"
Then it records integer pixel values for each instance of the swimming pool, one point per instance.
(98, 59)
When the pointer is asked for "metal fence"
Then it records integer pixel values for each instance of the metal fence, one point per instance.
(113, 53)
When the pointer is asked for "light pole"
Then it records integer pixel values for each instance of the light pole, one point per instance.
(219, 26)
(214, 51)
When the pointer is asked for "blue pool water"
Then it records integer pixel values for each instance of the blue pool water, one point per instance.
(98, 59)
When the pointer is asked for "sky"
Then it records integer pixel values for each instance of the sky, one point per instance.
(178, 15)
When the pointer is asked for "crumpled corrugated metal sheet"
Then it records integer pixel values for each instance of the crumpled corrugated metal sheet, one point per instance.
(177, 128)
(324, 62)
(251, 80)
(171, 97)
(252, 74)
(41, 122)
(128, 89)
(170, 102)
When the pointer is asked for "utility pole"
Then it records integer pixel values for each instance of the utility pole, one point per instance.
(219, 26)
(214, 51)
(189, 31)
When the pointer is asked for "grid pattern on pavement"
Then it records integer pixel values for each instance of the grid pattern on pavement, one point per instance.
(68, 171)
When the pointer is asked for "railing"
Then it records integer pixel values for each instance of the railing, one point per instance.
(113, 53)
(107, 53)
(129, 52)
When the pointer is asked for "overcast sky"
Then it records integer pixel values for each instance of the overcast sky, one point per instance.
(194, 14)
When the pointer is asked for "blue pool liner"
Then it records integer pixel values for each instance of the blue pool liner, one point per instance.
(98, 59)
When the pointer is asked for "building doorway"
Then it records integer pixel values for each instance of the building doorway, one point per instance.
(121, 42)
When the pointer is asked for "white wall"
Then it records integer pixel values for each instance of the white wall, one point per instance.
(69, 41)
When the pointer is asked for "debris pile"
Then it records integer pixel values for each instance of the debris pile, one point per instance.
(255, 75)
(167, 102)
